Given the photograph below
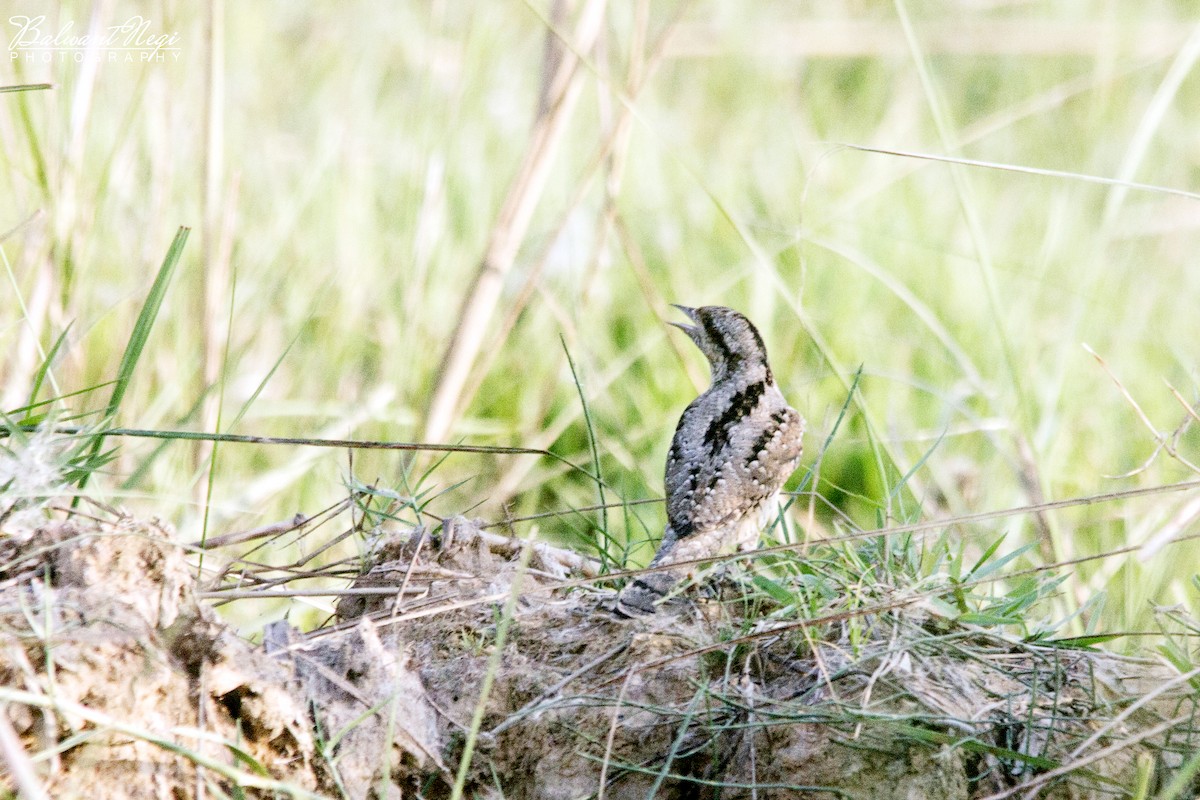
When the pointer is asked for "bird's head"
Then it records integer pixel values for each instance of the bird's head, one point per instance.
(729, 340)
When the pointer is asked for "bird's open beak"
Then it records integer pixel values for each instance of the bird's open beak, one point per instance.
(690, 330)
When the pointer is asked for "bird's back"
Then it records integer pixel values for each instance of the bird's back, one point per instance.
(734, 447)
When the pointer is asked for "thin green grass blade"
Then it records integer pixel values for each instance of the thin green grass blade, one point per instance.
(26, 87)
(145, 322)
(139, 337)
(212, 457)
(40, 376)
(1026, 170)
(33, 137)
(837, 423)
(774, 590)
(982, 571)
(144, 467)
(591, 430)
(263, 383)
(967, 204)
(685, 726)
(28, 424)
(18, 432)
(1082, 642)
(972, 745)
(987, 554)
(920, 463)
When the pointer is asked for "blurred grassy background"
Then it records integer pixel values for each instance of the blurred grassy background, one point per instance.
(345, 173)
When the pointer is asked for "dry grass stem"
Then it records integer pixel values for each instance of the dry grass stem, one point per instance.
(509, 230)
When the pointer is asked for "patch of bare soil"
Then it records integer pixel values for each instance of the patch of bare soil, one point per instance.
(119, 683)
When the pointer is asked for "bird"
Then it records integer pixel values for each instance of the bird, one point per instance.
(733, 449)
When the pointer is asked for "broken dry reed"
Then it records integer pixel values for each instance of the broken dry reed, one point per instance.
(608, 153)
(510, 228)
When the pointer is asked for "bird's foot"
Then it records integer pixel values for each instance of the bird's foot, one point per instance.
(644, 594)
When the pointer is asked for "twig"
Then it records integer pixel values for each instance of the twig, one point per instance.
(247, 594)
(566, 512)
(422, 535)
(1186, 405)
(1159, 436)
(283, 526)
(240, 438)
(19, 765)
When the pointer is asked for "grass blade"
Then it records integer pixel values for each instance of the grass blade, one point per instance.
(26, 87)
(40, 376)
(138, 339)
(587, 418)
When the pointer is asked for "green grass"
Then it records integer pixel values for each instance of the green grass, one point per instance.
(365, 160)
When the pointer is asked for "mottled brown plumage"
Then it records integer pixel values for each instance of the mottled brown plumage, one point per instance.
(734, 447)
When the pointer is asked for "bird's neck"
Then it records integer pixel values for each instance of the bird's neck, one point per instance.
(742, 373)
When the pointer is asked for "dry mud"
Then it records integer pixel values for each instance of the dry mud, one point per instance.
(119, 683)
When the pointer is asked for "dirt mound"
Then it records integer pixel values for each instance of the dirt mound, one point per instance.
(122, 682)
(118, 682)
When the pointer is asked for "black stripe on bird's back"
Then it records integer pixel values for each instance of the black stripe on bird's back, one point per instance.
(682, 527)
(778, 418)
(682, 523)
(740, 406)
